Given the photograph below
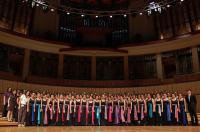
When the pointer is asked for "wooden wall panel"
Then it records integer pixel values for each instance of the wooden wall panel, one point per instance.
(175, 87)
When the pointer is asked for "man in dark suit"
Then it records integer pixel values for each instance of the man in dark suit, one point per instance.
(191, 105)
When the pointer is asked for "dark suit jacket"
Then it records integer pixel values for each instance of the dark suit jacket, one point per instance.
(191, 103)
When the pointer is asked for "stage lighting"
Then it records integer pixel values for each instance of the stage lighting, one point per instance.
(52, 10)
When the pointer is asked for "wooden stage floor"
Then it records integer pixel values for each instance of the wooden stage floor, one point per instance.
(102, 129)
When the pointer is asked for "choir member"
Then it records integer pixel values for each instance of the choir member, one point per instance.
(50, 110)
(135, 108)
(38, 109)
(72, 110)
(109, 111)
(116, 111)
(67, 106)
(150, 110)
(84, 108)
(97, 108)
(15, 113)
(44, 117)
(166, 116)
(141, 110)
(128, 111)
(11, 105)
(5, 102)
(103, 113)
(90, 119)
(122, 107)
(30, 110)
(158, 110)
(174, 110)
(182, 111)
(78, 110)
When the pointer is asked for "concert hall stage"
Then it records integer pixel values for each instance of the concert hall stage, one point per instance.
(102, 129)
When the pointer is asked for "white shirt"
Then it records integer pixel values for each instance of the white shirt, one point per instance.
(23, 99)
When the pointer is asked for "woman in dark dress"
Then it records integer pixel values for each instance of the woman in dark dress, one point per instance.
(103, 111)
(15, 114)
(158, 110)
(61, 111)
(134, 113)
(128, 110)
(44, 117)
(72, 110)
(182, 112)
(55, 110)
(67, 110)
(174, 110)
(109, 111)
(150, 110)
(90, 112)
(30, 118)
(11, 105)
(50, 110)
(5, 102)
(142, 110)
(122, 107)
(84, 111)
(77, 111)
(116, 111)
(166, 115)
(38, 109)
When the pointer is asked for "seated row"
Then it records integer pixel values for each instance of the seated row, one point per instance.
(43, 109)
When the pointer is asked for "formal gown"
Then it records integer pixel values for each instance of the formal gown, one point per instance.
(174, 114)
(97, 118)
(109, 113)
(38, 113)
(84, 113)
(150, 114)
(166, 116)
(182, 114)
(141, 115)
(134, 113)
(103, 112)
(158, 112)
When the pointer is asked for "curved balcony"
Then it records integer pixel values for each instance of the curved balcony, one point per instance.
(156, 49)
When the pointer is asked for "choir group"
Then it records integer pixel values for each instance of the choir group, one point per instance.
(45, 109)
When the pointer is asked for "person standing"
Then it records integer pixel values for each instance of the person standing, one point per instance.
(191, 104)
(22, 110)
(30, 119)
(174, 110)
(166, 114)
(150, 110)
(158, 110)
(5, 102)
(182, 112)
(11, 105)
